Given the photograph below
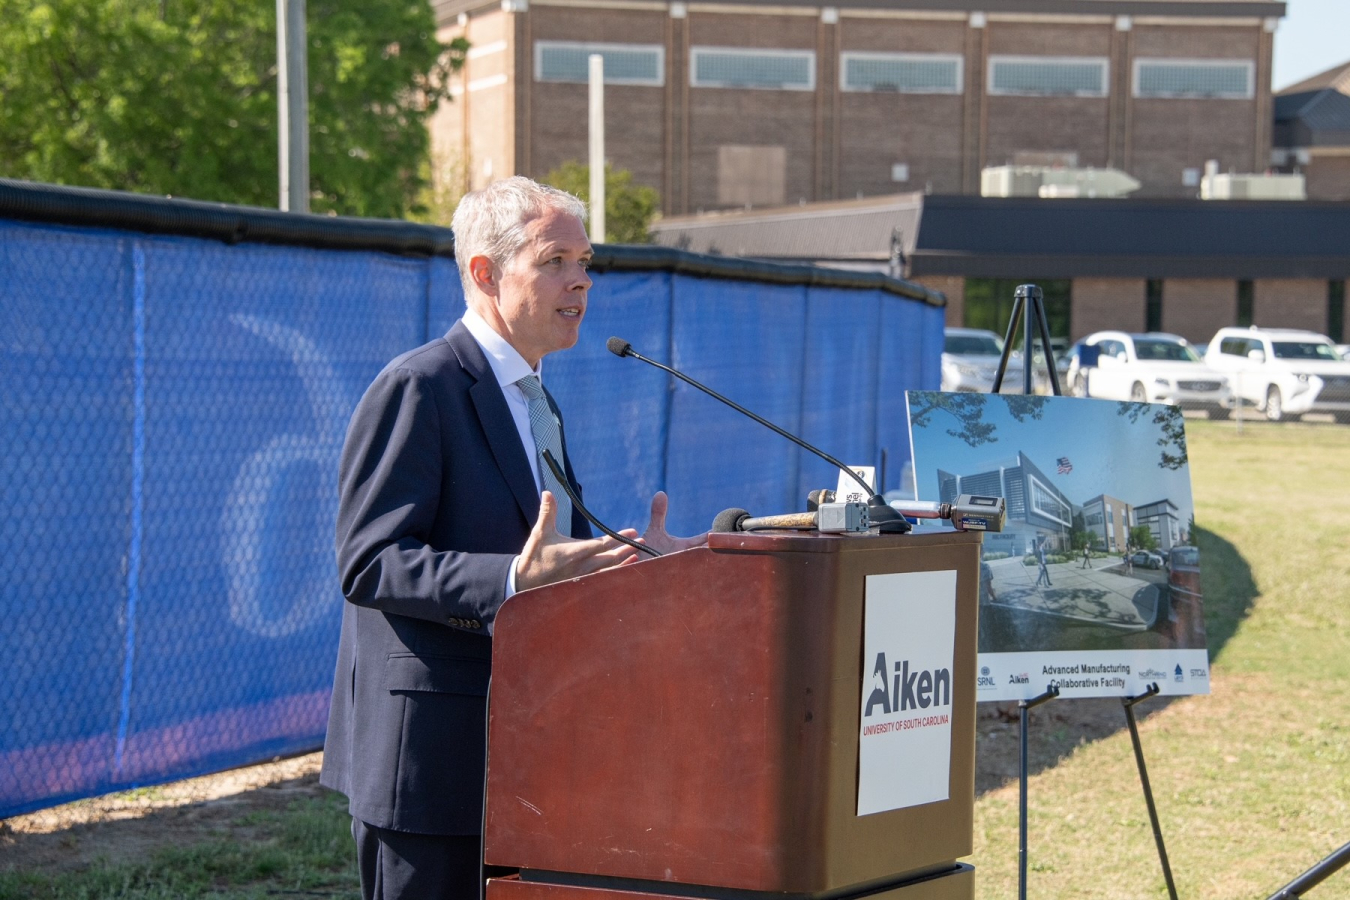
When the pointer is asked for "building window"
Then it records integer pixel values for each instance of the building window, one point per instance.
(724, 67)
(1246, 303)
(989, 303)
(1048, 76)
(1153, 305)
(1224, 79)
(1336, 310)
(568, 61)
(905, 73)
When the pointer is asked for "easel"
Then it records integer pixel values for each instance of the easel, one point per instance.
(1029, 304)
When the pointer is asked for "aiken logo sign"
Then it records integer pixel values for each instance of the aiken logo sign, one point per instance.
(905, 702)
(912, 689)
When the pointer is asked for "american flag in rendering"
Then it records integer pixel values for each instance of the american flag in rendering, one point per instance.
(1065, 467)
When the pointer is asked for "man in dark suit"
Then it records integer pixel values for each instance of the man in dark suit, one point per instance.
(444, 514)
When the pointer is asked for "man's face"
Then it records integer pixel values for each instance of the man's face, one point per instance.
(541, 294)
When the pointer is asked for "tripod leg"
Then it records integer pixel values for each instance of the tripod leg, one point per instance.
(1129, 703)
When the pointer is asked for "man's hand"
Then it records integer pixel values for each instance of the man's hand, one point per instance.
(656, 536)
(550, 557)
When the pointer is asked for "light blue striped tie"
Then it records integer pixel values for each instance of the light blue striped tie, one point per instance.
(547, 436)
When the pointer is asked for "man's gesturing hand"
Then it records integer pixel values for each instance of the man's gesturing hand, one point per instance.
(549, 557)
(656, 535)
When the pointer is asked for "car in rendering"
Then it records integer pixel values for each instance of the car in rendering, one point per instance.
(1146, 559)
(970, 358)
(1183, 572)
(1283, 371)
(1146, 368)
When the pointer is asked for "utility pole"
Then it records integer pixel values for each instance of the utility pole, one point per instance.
(597, 108)
(292, 107)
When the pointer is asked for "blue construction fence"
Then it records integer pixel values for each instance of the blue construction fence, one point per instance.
(174, 403)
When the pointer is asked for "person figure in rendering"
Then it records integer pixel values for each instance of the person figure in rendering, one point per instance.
(446, 510)
(1087, 557)
(1044, 572)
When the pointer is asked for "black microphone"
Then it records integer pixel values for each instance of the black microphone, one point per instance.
(576, 501)
(881, 514)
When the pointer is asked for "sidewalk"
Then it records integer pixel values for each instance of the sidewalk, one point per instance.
(1101, 595)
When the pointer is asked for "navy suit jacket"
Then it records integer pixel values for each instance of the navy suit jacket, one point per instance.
(435, 499)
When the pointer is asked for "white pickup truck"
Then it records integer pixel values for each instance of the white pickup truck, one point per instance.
(1147, 368)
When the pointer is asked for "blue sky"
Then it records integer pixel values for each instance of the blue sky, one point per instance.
(1110, 455)
(1313, 36)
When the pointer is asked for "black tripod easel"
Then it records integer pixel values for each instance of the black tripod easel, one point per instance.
(1029, 305)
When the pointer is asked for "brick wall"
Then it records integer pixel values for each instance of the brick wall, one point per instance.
(840, 144)
(1290, 303)
(1196, 308)
(1102, 303)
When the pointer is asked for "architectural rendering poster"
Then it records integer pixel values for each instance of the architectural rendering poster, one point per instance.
(1093, 585)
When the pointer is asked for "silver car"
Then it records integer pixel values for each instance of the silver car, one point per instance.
(970, 358)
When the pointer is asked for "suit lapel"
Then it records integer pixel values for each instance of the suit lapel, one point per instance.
(495, 417)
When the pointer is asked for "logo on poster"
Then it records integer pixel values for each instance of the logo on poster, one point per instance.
(1022, 678)
(985, 681)
(1181, 676)
(1199, 673)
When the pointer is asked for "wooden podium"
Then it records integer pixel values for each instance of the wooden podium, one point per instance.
(689, 726)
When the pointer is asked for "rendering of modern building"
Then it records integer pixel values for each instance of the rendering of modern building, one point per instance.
(1036, 509)
(1161, 518)
(1108, 520)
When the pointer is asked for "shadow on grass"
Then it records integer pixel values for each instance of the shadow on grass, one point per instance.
(288, 837)
(1057, 728)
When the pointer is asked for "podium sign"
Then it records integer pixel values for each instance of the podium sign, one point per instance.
(905, 745)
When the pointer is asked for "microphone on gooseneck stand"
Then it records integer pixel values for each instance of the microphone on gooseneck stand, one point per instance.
(880, 514)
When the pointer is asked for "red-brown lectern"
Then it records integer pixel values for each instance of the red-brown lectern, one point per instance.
(689, 727)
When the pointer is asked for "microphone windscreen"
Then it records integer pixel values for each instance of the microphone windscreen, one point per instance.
(618, 346)
(729, 520)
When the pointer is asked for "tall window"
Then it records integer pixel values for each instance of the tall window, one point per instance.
(1336, 310)
(989, 303)
(1153, 305)
(905, 73)
(1048, 76)
(1222, 79)
(1246, 303)
(568, 61)
(727, 67)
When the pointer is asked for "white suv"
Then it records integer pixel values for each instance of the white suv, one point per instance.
(1283, 371)
(1147, 368)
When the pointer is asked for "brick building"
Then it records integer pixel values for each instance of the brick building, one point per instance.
(720, 104)
(1186, 266)
(1312, 133)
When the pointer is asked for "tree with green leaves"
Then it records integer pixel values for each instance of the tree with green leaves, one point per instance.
(629, 207)
(1142, 538)
(179, 97)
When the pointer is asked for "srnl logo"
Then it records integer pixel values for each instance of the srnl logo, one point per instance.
(908, 688)
(986, 679)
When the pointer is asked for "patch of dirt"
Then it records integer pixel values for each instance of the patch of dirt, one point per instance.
(135, 823)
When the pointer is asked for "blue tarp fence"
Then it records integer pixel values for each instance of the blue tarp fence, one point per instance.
(172, 412)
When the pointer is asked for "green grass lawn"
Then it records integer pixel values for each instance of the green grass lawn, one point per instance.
(1252, 782)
